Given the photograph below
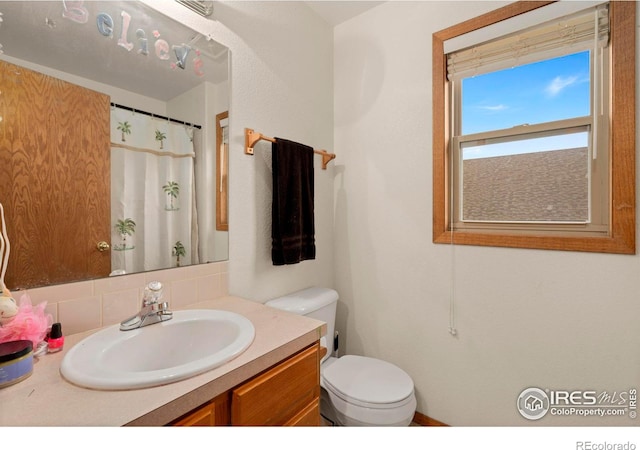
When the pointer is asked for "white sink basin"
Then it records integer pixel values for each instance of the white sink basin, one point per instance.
(192, 342)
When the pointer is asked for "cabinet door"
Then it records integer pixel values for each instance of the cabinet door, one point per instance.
(308, 417)
(205, 416)
(281, 394)
(54, 178)
(212, 413)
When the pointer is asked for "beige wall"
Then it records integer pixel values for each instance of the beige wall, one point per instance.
(525, 318)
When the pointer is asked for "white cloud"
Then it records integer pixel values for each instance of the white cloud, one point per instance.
(500, 107)
(558, 84)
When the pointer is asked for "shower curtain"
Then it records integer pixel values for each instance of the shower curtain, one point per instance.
(153, 214)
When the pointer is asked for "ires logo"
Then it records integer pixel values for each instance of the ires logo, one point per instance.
(534, 403)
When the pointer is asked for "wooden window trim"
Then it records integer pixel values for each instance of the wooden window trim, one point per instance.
(621, 238)
(222, 189)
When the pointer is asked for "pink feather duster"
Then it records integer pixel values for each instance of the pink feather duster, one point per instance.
(30, 323)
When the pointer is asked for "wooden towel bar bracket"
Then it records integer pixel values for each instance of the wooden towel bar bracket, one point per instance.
(252, 137)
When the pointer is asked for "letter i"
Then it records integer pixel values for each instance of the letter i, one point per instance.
(142, 39)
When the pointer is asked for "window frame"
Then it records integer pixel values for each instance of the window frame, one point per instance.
(621, 151)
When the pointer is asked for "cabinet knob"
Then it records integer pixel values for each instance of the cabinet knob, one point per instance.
(102, 246)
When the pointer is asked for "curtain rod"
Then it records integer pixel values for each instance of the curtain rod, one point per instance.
(128, 108)
(251, 137)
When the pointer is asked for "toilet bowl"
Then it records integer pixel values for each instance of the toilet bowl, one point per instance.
(355, 390)
(362, 391)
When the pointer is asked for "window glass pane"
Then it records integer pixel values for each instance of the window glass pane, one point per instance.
(545, 91)
(530, 179)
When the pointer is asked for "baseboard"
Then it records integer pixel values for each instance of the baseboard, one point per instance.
(427, 421)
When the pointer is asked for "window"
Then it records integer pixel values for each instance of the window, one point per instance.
(534, 130)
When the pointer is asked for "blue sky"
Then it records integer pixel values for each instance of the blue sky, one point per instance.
(545, 91)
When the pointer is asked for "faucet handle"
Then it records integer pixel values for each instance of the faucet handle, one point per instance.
(152, 293)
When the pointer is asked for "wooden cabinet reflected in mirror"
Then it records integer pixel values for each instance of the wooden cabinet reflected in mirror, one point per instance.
(222, 165)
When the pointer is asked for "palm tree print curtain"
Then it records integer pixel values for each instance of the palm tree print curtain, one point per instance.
(152, 193)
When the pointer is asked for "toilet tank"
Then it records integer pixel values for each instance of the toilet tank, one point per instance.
(317, 303)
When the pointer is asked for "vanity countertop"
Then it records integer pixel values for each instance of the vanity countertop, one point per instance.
(46, 399)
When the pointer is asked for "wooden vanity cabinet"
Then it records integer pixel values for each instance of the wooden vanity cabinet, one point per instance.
(286, 394)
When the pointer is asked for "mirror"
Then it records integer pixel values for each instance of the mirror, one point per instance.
(112, 136)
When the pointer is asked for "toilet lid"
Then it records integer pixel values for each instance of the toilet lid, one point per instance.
(367, 380)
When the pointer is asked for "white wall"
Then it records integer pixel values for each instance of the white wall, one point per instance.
(282, 85)
(525, 318)
(119, 96)
(220, 239)
(204, 102)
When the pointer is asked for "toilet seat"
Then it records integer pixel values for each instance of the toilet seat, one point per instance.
(368, 382)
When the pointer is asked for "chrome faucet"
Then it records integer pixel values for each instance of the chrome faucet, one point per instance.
(153, 309)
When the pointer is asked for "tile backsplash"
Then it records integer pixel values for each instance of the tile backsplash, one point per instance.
(87, 305)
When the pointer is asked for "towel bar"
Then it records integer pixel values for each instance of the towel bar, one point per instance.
(251, 137)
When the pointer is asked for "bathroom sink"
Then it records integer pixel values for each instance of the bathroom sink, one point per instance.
(192, 342)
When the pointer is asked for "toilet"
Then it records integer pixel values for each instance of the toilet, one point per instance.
(356, 390)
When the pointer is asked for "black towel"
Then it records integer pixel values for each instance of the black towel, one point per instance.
(293, 229)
